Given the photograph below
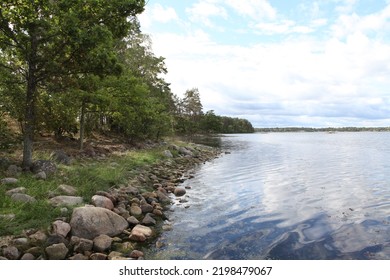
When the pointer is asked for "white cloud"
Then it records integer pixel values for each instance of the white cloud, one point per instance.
(337, 80)
(256, 9)
(202, 11)
(345, 6)
(157, 13)
(282, 27)
(348, 24)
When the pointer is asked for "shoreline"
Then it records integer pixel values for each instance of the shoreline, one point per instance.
(136, 211)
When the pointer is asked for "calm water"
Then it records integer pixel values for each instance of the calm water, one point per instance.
(287, 196)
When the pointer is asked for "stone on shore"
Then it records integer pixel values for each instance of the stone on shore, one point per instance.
(66, 189)
(57, 251)
(135, 211)
(81, 245)
(61, 228)
(168, 154)
(9, 181)
(179, 191)
(102, 201)
(90, 222)
(102, 243)
(16, 190)
(149, 220)
(11, 253)
(140, 233)
(21, 197)
(64, 200)
(41, 175)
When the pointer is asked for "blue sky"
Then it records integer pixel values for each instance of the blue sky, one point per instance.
(278, 63)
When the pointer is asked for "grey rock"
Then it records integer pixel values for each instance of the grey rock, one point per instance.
(13, 170)
(135, 211)
(168, 154)
(136, 254)
(61, 157)
(35, 251)
(163, 197)
(61, 228)
(98, 256)
(57, 251)
(41, 175)
(179, 192)
(16, 190)
(21, 197)
(102, 243)
(114, 255)
(132, 220)
(81, 245)
(146, 208)
(56, 239)
(140, 233)
(11, 253)
(185, 151)
(66, 189)
(9, 181)
(148, 220)
(64, 200)
(102, 201)
(28, 256)
(38, 238)
(90, 222)
(21, 243)
(48, 166)
(78, 257)
(4, 163)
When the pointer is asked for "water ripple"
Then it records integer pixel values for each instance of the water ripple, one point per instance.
(288, 196)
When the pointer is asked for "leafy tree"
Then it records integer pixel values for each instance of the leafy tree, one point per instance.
(44, 40)
(211, 123)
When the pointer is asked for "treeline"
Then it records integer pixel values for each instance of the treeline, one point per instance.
(324, 129)
(80, 66)
(190, 118)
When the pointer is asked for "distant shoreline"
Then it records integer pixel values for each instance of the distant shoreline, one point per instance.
(325, 129)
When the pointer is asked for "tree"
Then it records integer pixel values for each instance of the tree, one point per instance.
(45, 40)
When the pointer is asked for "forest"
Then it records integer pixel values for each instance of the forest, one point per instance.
(69, 68)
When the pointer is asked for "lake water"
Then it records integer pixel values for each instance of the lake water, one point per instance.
(287, 196)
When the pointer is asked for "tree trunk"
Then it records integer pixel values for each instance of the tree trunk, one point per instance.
(31, 96)
(29, 121)
(82, 125)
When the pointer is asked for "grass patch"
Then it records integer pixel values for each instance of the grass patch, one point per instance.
(87, 176)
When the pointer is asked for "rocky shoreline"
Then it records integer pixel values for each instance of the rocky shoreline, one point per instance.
(118, 223)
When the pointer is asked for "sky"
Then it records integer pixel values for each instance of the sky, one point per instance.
(278, 63)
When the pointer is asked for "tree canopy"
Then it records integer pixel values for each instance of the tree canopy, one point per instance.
(71, 67)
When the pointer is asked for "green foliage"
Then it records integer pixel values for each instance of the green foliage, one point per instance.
(190, 119)
(58, 114)
(42, 41)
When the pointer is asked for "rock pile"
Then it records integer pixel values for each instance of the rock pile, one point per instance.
(116, 222)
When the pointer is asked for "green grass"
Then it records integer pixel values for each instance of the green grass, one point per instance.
(87, 176)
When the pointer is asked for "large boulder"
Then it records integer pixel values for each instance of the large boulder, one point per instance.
(90, 222)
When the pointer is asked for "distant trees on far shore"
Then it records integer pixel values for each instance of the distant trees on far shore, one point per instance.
(324, 129)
